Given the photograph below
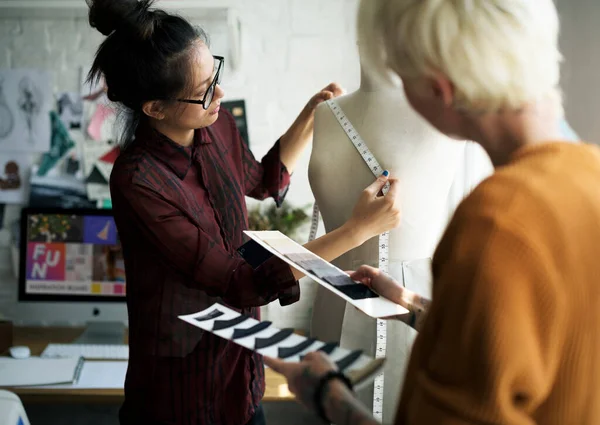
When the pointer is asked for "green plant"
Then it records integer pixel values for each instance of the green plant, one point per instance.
(286, 219)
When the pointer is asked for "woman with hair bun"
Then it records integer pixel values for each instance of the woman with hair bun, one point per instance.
(178, 191)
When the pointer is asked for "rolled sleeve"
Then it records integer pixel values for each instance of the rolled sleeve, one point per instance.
(268, 178)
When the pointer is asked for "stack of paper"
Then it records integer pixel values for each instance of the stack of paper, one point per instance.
(36, 371)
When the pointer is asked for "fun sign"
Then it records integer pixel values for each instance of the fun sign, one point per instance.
(46, 261)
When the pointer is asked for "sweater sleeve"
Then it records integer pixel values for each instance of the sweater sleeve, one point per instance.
(488, 351)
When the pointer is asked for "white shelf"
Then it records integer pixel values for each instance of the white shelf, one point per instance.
(56, 9)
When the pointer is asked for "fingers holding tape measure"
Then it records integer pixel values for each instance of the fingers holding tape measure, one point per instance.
(374, 215)
(332, 91)
(377, 186)
(394, 188)
(383, 185)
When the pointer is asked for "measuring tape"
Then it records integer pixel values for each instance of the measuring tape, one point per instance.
(377, 170)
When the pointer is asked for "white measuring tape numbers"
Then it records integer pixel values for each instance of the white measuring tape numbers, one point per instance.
(377, 170)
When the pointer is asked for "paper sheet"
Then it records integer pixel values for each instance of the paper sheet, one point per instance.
(101, 123)
(37, 371)
(99, 374)
(268, 340)
(97, 172)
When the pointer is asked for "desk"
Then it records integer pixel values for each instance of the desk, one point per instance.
(37, 339)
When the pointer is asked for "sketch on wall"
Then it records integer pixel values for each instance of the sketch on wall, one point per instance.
(6, 116)
(30, 103)
(25, 104)
(70, 109)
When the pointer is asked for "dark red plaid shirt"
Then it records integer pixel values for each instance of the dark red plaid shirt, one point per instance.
(180, 214)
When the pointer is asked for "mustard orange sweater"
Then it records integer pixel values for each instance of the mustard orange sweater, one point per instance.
(513, 332)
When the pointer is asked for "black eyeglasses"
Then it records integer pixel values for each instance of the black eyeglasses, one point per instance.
(210, 92)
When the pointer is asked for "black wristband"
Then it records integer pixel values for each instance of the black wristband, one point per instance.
(413, 319)
(334, 374)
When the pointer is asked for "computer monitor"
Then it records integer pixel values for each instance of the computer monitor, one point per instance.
(71, 262)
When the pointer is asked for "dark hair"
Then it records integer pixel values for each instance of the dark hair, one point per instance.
(144, 57)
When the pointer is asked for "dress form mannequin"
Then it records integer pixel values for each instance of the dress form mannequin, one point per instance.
(428, 166)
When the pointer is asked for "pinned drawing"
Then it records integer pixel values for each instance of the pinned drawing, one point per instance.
(25, 104)
(30, 103)
(70, 109)
(7, 120)
(98, 160)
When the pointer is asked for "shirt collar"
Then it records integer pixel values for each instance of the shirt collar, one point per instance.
(178, 158)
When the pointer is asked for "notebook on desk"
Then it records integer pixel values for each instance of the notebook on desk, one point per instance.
(36, 371)
(106, 375)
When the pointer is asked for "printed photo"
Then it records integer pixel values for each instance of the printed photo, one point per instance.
(79, 262)
(55, 228)
(108, 264)
(100, 230)
(14, 177)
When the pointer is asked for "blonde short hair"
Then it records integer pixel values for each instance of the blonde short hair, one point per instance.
(497, 53)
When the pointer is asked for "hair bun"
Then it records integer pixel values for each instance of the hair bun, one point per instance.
(132, 16)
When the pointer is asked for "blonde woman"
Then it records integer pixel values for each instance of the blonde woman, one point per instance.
(511, 335)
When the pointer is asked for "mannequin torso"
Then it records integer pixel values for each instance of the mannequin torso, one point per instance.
(415, 153)
(426, 164)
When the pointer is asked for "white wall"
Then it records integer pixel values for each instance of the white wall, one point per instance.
(580, 45)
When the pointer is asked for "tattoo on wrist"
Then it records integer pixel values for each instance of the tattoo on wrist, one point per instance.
(307, 392)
